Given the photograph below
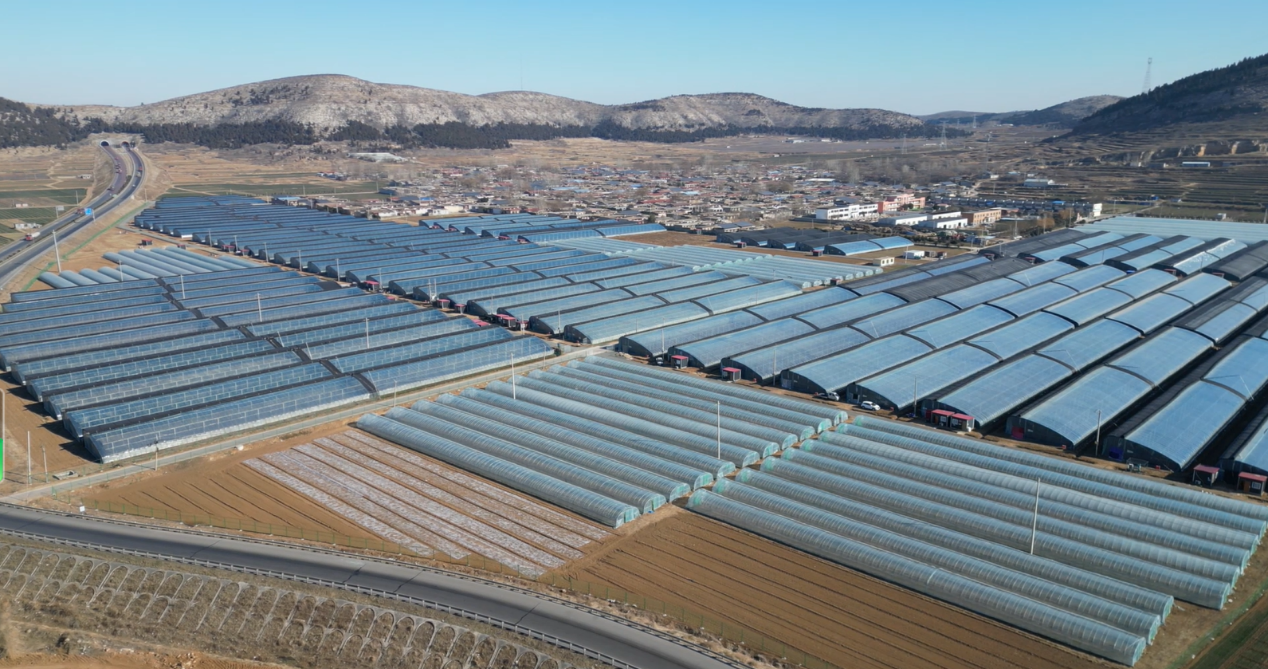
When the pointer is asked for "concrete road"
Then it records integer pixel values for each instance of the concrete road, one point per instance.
(608, 639)
(18, 254)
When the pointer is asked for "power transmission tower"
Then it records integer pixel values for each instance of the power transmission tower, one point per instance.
(1149, 70)
(943, 143)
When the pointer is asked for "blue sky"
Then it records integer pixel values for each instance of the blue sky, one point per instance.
(915, 56)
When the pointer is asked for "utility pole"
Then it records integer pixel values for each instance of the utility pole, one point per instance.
(57, 254)
(182, 286)
(1098, 432)
(28, 457)
(44, 452)
(513, 394)
(156, 455)
(259, 309)
(3, 417)
(1034, 524)
(719, 429)
(367, 334)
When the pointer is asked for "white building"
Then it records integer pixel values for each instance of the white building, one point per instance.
(847, 212)
(903, 219)
(1038, 183)
(944, 224)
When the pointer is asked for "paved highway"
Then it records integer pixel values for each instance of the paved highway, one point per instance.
(606, 638)
(17, 255)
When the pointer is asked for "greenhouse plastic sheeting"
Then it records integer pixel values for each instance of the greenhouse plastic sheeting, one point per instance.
(574, 434)
(1137, 598)
(1026, 332)
(405, 335)
(738, 434)
(12, 355)
(862, 528)
(999, 391)
(1144, 282)
(346, 324)
(658, 430)
(904, 386)
(748, 297)
(544, 457)
(808, 302)
(1089, 278)
(1151, 313)
(145, 377)
(8, 317)
(1162, 356)
(573, 498)
(850, 310)
(1133, 490)
(1179, 432)
(708, 353)
(1067, 513)
(1090, 343)
(517, 410)
(1071, 415)
(1089, 306)
(83, 330)
(655, 343)
(314, 308)
(611, 329)
(982, 292)
(64, 320)
(961, 326)
(448, 366)
(767, 363)
(556, 324)
(902, 318)
(199, 424)
(992, 521)
(80, 421)
(695, 385)
(673, 401)
(1097, 638)
(26, 371)
(415, 350)
(835, 373)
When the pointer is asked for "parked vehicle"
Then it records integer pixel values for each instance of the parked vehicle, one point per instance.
(870, 406)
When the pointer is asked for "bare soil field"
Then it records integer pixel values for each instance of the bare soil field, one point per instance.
(351, 484)
(828, 611)
(75, 604)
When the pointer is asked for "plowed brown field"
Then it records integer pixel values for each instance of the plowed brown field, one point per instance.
(828, 611)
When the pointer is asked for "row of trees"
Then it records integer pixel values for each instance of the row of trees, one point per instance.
(21, 125)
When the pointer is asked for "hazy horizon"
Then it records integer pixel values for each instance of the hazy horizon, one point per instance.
(993, 57)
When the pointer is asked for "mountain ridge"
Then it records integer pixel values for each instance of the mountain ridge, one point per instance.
(1065, 114)
(1219, 94)
(328, 102)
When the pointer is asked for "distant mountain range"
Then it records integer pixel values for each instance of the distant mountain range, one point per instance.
(312, 108)
(309, 109)
(1238, 91)
(1065, 115)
